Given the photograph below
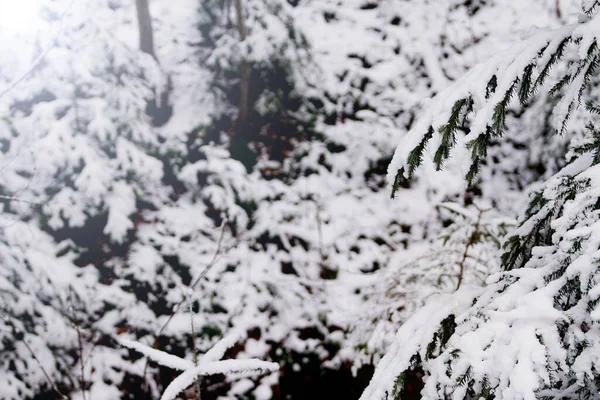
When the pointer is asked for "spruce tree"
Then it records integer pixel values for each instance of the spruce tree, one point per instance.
(415, 53)
(532, 331)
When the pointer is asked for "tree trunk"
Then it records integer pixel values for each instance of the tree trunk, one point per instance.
(159, 109)
(145, 27)
(243, 110)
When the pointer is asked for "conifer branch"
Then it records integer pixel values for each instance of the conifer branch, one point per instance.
(486, 120)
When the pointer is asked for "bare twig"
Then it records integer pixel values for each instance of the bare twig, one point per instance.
(198, 279)
(16, 194)
(95, 341)
(472, 240)
(215, 256)
(81, 363)
(202, 274)
(37, 360)
(195, 349)
(75, 323)
(11, 198)
(319, 231)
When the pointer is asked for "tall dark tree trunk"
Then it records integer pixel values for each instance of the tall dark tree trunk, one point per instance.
(243, 110)
(159, 110)
(145, 27)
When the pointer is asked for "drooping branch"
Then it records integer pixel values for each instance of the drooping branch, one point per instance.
(480, 99)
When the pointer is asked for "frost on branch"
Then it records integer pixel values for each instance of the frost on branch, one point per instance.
(208, 364)
(227, 367)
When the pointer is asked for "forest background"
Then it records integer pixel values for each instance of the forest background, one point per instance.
(183, 174)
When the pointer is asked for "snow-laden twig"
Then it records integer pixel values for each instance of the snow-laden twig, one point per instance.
(161, 357)
(218, 350)
(212, 262)
(208, 364)
(228, 367)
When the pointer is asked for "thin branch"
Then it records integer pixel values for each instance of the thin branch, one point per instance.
(95, 341)
(471, 242)
(195, 350)
(37, 360)
(81, 363)
(202, 274)
(15, 195)
(215, 256)
(11, 198)
(319, 230)
(197, 280)
(79, 344)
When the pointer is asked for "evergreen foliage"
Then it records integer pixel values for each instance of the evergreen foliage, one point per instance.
(464, 253)
(481, 98)
(279, 226)
(531, 332)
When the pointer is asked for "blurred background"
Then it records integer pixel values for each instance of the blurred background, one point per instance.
(174, 170)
